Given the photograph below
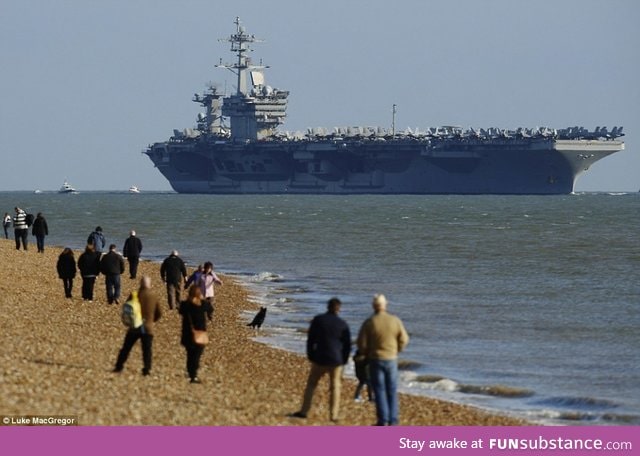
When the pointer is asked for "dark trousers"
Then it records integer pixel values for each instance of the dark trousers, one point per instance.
(130, 339)
(112, 282)
(173, 295)
(67, 282)
(194, 352)
(21, 235)
(40, 242)
(87, 288)
(133, 266)
(6, 231)
(360, 387)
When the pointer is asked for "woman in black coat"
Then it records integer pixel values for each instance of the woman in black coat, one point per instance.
(40, 230)
(66, 270)
(193, 312)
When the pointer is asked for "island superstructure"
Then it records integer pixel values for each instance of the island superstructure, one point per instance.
(237, 148)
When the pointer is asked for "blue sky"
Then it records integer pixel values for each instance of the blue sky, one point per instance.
(86, 85)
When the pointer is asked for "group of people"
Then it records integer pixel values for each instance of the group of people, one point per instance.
(196, 310)
(91, 263)
(380, 339)
(21, 223)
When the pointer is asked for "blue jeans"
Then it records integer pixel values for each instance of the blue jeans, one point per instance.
(113, 287)
(384, 379)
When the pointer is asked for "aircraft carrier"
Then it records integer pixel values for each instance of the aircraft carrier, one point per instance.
(236, 148)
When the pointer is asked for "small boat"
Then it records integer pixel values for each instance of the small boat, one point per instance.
(67, 188)
(134, 189)
(37, 191)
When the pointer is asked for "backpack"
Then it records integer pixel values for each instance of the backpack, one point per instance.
(96, 239)
(132, 312)
(29, 219)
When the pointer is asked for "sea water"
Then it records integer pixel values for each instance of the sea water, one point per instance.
(528, 305)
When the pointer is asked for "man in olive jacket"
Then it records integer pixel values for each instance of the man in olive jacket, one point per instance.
(150, 308)
(328, 349)
(381, 337)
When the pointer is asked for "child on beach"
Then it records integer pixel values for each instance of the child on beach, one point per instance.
(362, 374)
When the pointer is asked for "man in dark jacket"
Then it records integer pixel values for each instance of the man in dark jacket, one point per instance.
(89, 265)
(131, 251)
(328, 348)
(112, 265)
(40, 230)
(173, 272)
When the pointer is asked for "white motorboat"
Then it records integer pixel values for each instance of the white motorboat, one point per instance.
(134, 189)
(67, 188)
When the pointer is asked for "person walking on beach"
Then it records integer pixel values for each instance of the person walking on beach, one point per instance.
(131, 251)
(150, 309)
(40, 230)
(194, 277)
(328, 348)
(207, 282)
(20, 228)
(89, 265)
(6, 223)
(112, 265)
(193, 312)
(173, 272)
(381, 338)
(96, 238)
(66, 267)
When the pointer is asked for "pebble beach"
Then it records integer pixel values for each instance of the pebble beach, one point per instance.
(56, 357)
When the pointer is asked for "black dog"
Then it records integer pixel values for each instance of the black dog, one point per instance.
(259, 318)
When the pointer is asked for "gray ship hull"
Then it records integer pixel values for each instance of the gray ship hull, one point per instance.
(510, 166)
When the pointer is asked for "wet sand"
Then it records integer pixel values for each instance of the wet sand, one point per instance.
(56, 357)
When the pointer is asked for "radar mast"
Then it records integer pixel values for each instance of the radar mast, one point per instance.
(256, 109)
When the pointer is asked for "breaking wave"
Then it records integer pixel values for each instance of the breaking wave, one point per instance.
(496, 390)
(578, 402)
(440, 383)
(266, 277)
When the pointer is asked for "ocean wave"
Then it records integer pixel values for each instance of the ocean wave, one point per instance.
(621, 418)
(581, 417)
(266, 276)
(496, 390)
(446, 384)
(437, 382)
(429, 378)
(407, 364)
(609, 418)
(578, 402)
